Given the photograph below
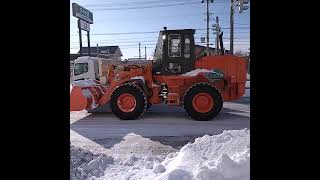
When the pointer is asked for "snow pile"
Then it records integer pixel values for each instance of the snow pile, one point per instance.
(136, 157)
(219, 157)
(140, 147)
(84, 164)
(195, 72)
(84, 83)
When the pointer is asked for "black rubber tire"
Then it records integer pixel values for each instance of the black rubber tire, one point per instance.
(202, 88)
(149, 105)
(139, 95)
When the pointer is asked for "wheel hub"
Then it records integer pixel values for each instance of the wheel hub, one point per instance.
(126, 102)
(202, 102)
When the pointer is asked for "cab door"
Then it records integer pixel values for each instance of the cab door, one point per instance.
(179, 55)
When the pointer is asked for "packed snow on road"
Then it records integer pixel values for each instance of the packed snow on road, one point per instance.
(217, 157)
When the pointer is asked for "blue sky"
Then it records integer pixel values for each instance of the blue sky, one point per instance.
(113, 16)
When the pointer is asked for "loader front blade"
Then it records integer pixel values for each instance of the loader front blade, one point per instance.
(80, 98)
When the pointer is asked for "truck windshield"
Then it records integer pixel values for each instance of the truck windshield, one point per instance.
(80, 68)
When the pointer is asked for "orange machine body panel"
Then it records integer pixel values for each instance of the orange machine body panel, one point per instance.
(234, 70)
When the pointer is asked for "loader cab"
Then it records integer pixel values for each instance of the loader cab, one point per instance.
(174, 53)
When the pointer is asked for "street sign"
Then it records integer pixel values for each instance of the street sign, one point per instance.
(82, 13)
(84, 25)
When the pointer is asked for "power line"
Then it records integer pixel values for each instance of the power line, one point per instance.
(132, 3)
(147, 32)
(129, 41)
(137, 41)
(144, 7)
(104, 41)
(132, 44)
(154, 2)
(148, 18)
(158, 17)
(126, 33)
(151, 32)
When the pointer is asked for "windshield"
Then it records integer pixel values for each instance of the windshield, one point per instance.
(80, 68)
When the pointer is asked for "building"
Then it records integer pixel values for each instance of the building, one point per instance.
(137, 59)
(203, 50)
(109, 52)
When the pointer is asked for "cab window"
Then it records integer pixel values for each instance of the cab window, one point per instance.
(80, 68)
(174, 45)
(187, 47)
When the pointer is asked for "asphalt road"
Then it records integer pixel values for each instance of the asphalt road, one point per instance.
(166, 124)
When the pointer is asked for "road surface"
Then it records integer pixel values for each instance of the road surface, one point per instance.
(168, 125)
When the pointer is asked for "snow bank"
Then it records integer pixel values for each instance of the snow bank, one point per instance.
(84, 83)
(195, 72)
(219, 157)
(84, 164)
(136, 157)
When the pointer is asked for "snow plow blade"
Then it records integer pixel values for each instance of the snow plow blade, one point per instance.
(80, 98)
(86, 95)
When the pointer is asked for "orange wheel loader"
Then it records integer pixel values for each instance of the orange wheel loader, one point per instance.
(176, 77)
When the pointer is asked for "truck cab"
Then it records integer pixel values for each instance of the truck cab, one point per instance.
(85, 67)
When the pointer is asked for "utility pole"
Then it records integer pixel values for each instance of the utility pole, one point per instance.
(240, 5)
(231, 26)
(145, 52)
(208, 19)
(208, 50)
(97, 48)
(88, 43)
(80, 37)
(217, 35)
(139, 52)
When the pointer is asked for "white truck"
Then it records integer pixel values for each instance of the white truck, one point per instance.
(94, 68)
(85, 68)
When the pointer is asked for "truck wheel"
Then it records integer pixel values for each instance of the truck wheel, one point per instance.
(202, 102)
(128, 102)
(149, 105)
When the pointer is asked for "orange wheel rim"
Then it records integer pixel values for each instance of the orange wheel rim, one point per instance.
(126, 102)
(202, 102)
